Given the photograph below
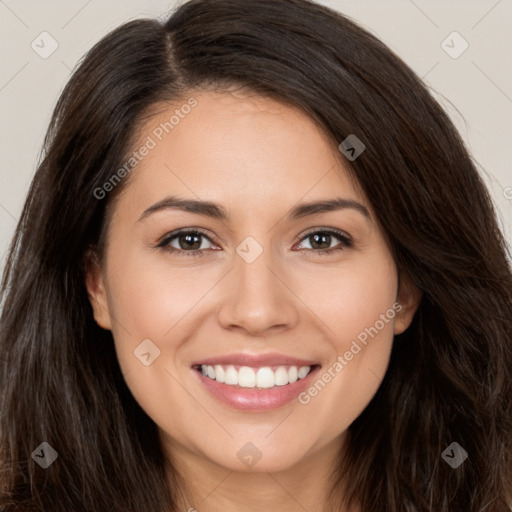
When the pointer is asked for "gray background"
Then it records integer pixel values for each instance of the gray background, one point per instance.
(475, 88)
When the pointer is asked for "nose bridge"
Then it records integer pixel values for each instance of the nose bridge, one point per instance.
(252, 266)
(256, 286)
(256, 298)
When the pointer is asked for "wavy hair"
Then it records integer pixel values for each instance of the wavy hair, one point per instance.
(449, 378)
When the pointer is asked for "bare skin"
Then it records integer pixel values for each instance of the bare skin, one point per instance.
(258, 159)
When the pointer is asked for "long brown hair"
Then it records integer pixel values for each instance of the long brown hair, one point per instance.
(449, 378)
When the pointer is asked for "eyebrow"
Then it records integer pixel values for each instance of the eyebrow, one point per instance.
(216, 211)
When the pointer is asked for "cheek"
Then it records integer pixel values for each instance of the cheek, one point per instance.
(351, 297)
(150, 296)
(153, 302)
(364, 324)
(157, 300)
(359, 309)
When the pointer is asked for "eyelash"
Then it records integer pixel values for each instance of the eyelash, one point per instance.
(164, 244)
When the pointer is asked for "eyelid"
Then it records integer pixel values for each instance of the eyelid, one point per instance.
(324, 229)
(164, 241)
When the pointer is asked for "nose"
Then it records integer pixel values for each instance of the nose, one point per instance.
(257, 297)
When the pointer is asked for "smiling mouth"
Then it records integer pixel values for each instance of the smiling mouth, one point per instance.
(263, 377)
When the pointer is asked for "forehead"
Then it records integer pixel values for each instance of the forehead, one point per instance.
(246, 151)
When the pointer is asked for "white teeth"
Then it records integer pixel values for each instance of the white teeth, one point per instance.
(281, 375)
(247, 377)
(219, 374)
(265, 378)
(231, 376)
(303, 372)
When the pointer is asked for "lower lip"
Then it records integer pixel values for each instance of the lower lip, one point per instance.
(253, 399)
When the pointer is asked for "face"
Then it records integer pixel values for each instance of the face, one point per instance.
(290, 309)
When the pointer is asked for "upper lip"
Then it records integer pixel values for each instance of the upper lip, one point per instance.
(272, 359)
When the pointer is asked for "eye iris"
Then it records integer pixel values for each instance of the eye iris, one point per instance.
(319, 239)
(191, 241)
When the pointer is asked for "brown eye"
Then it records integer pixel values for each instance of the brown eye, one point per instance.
(320, 241)
(188, 243)
(191, 241)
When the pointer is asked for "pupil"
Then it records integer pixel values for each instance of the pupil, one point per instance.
(324, 238)
(189, 241)
(320, 241)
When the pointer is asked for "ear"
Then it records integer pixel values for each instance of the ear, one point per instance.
(94, 282)
(409, 298)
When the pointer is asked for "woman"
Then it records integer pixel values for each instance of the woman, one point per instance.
(256, 268)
